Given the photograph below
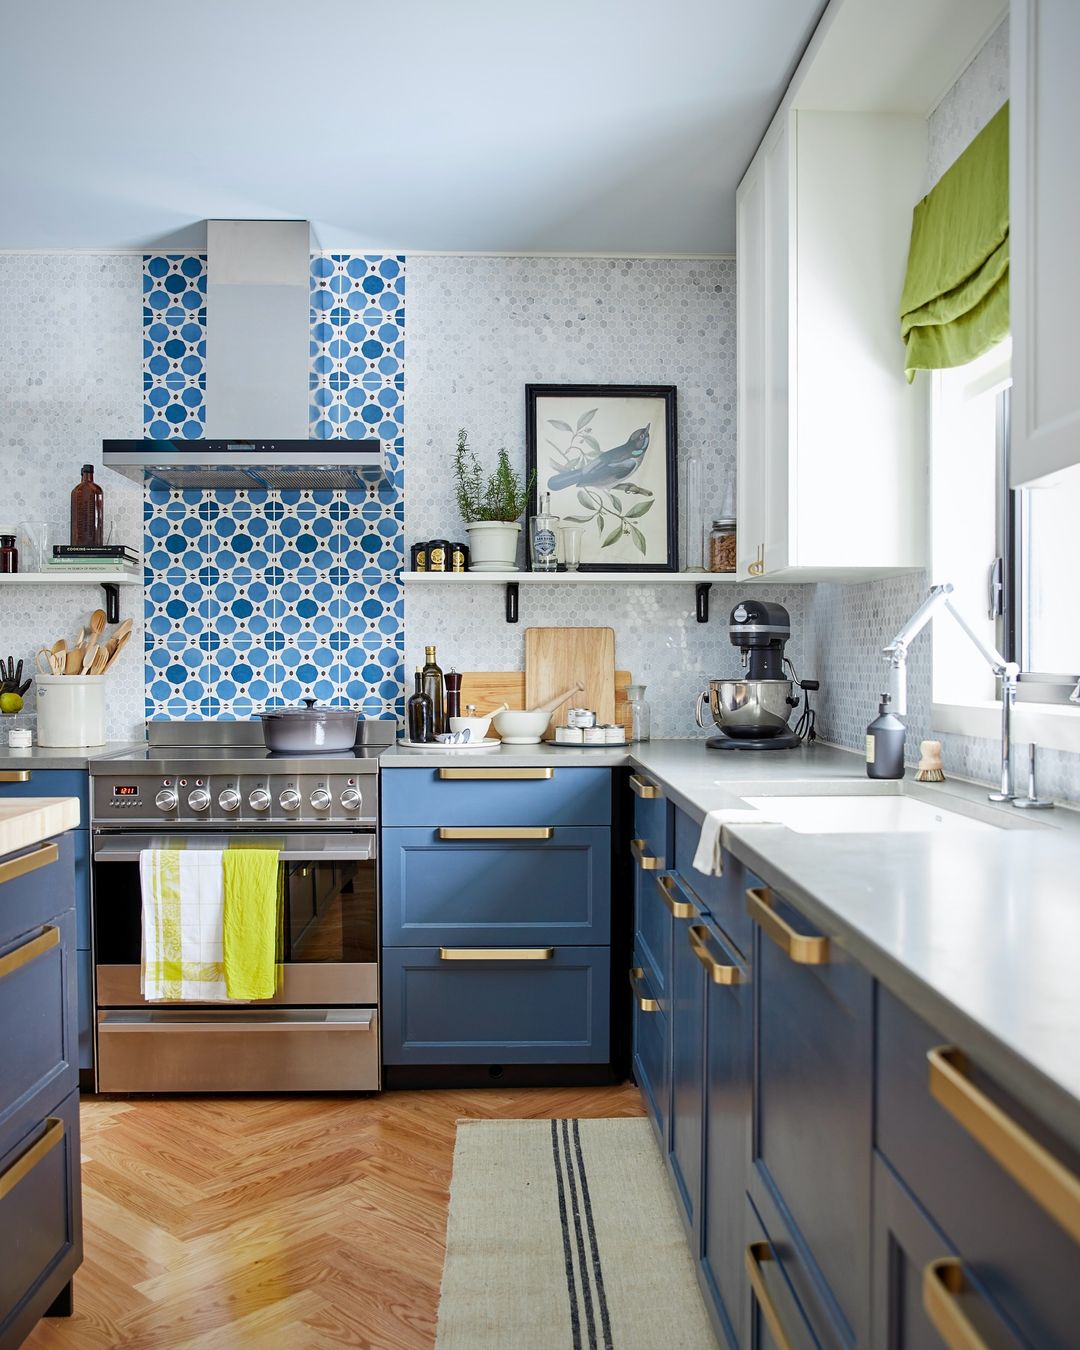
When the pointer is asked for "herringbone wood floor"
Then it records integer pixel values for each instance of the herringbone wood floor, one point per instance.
(294, 1222)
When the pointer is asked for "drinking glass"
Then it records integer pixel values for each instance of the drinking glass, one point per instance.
(36, 542)
(571, 546)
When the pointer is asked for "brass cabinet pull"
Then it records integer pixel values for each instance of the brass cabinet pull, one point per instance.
(640, 787)
(644, 1002)
(26, 1162)
(645, 860)
(1049, 1183)
(756, 1253)
(757, 567)
(48, 938)
(29, 862)
(680, 909)
(943, 1283)
(496, 953)
(497, 832)
(718, 972)
(481, 775)
(14, 775)
(801, 948)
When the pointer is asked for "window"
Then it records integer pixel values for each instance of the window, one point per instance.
(1047, 608)
(1009, 554)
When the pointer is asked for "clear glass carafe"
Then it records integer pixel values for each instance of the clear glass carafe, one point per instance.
(640, 716)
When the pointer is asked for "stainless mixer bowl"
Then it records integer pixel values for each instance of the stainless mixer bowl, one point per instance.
(748, 708)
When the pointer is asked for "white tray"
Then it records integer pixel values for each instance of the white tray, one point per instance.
(488, 743)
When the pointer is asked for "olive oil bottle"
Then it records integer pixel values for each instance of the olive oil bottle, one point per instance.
(434, 689)
(419, 715)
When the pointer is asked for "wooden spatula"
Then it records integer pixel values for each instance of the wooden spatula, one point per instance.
(89, 658)
(97, 624)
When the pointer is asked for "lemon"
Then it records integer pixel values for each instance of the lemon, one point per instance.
(10, 703)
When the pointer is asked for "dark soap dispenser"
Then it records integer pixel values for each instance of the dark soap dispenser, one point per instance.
(885, 744)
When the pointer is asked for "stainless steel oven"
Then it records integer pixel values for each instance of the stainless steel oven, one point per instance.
(320, 1032)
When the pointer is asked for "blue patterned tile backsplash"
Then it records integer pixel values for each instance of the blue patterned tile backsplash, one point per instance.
(257, 599)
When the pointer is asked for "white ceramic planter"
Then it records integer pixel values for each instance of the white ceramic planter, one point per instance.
(493, 545)
(71, 710)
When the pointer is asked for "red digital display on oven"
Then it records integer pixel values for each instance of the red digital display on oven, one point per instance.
(125, 790)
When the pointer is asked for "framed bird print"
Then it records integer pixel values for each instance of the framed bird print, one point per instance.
(608, 455)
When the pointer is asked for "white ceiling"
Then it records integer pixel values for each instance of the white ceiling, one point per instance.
(442, 125)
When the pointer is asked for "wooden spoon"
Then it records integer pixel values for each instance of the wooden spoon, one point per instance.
(73, 661)
(89, 658)
(101, 660)
(121, 644)
(123, 629)
(97, 624)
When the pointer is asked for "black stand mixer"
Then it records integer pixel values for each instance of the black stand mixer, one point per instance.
(753, 713)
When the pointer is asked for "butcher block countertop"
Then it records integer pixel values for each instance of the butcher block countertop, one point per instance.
(25, 821)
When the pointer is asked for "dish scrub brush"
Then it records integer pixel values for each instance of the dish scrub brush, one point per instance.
(930, 770)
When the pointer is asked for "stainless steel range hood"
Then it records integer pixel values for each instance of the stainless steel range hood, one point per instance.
(257, 365)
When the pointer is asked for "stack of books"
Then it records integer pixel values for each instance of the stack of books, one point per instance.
(94, 558)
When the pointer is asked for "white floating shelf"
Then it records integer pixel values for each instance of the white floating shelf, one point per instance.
(568, 578)
(71, 579)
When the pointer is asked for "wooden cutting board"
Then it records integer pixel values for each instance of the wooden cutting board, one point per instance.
(556, 657)
(488, 688)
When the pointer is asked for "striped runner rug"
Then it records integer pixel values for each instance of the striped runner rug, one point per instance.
(564, 1233)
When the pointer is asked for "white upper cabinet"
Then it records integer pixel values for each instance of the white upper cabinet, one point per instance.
(832, 450)
(1044, 210)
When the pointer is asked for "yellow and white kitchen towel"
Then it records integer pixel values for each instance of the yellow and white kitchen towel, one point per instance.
(182, 924)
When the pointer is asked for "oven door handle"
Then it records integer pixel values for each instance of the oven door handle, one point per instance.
(338, 1019)
(127, 849)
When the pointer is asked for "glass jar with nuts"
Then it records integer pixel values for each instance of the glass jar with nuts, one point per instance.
(722, 546)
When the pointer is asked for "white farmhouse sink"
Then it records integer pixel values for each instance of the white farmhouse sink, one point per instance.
(866, 815)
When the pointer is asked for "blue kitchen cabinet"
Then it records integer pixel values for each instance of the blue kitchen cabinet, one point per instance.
(772, 1312)
(811, 1138)
(496, 916)
(35, 782)
(479, 794)
(954, 1136)
(40, 1214)
(651, 1051)
(687, 1061)
(724, 896)
(476, 885)
(530, 1005)
(729, 1015)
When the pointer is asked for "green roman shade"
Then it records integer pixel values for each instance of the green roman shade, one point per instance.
(955, 304)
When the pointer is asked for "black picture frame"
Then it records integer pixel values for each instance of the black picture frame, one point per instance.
(538, 437)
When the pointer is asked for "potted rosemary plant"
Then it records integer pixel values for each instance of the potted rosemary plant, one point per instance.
(491, 508)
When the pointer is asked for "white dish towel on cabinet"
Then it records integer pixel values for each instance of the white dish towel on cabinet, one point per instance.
(709, 855)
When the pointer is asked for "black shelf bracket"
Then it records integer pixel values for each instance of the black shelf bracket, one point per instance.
(702, 590)
(511, 602)
(112, 601)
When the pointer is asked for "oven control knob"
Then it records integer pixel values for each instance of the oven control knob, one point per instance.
(320, 799)
(199, 800)
(351, 799)
(289, 800)
(259, 800)
(229, 800)
(166, 799)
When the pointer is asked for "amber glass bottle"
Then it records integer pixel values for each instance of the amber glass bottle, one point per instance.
(87, 511)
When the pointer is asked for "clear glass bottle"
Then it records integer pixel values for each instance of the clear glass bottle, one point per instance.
(87, 511)
(693, 514)
(640, 714)
(545, 539)
(433, 687)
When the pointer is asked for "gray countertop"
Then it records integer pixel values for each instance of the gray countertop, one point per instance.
(47, 757)
(978, 932)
